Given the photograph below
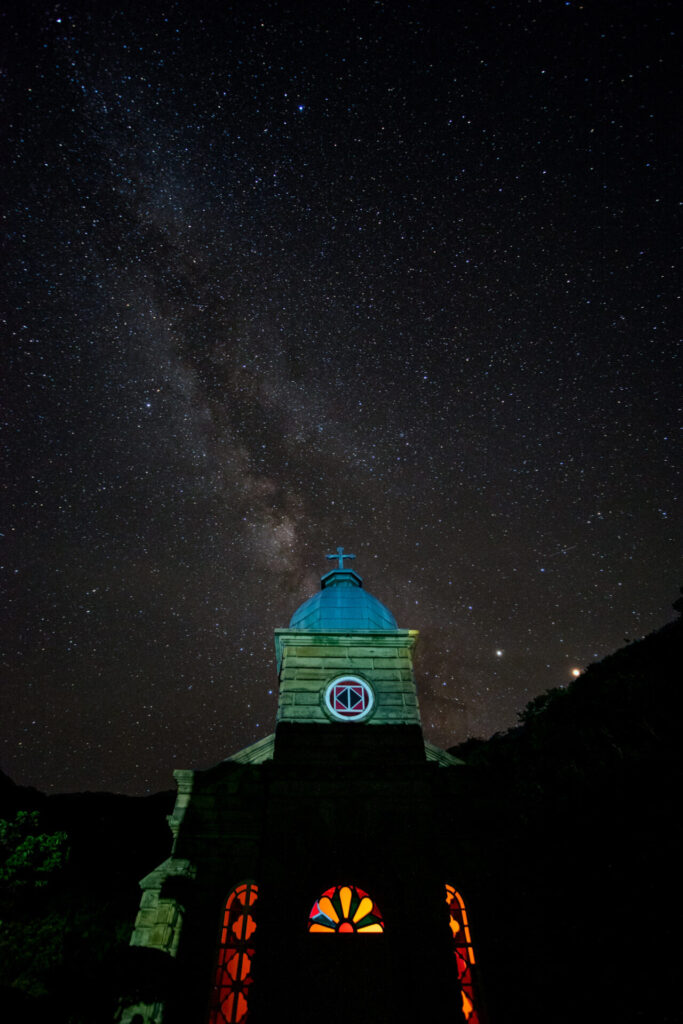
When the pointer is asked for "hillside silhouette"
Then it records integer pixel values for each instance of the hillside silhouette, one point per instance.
(574, 844)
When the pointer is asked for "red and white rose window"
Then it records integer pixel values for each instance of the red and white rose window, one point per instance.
(349, 698)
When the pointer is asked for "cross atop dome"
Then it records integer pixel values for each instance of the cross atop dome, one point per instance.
(341, 556)
(342, 603)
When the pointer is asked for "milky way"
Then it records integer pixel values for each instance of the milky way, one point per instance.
(393, 276)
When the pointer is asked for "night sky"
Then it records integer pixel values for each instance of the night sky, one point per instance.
(392, 276)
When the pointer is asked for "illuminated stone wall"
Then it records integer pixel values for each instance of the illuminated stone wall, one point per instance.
(309, 661)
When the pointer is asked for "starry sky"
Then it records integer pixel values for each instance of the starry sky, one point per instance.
(394, 276)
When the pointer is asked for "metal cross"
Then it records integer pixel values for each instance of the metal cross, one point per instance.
(341, 556)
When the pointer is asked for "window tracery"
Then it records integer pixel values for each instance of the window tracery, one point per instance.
(463, 950)
(345, 909)
(230, 999)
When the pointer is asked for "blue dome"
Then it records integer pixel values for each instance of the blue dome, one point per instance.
(342, 604)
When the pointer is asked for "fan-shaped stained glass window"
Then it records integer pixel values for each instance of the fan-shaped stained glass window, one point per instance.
(345, 908)
(230, 998)
(464, 953)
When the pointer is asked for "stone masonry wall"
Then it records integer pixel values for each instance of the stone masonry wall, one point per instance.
(311, 660)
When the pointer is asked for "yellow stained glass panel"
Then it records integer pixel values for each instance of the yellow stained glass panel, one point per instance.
(364, 907)
(345, 897)
(372, 928)
(327, 908)
(321, 928)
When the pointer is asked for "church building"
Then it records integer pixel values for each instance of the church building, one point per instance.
(313, 875)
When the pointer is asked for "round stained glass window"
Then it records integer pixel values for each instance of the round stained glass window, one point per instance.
(349, 698)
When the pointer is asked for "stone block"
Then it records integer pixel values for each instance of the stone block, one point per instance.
(146, 917)
(387, 662)
(386, 686)
(308, 699)
(373, 652)
(304, 674)
(301, 714)
(307, 685)
(161, 936)
(386, 699)
(330, 640)
(166, 914)
(303, 663)
(390, 713)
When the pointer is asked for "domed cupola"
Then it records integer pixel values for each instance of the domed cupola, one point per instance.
(342, 603)
(343, 659)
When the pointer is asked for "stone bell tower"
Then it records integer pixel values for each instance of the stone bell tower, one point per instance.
(344, 659)
(311, 874)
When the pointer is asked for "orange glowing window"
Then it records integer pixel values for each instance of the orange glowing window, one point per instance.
(464, 953)
(230, 997)
(345, 909)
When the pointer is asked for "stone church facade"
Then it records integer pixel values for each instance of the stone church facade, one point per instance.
(314, 875)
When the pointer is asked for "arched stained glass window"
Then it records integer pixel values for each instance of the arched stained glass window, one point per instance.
(345, 909)
(229, 1001)
(464, 953)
